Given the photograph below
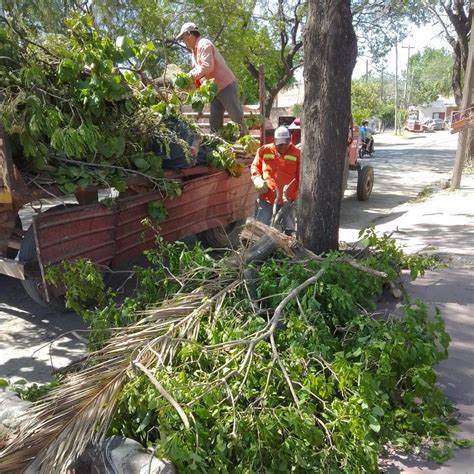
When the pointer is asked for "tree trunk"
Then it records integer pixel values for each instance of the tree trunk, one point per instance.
(456, 77)
(271, 94)
(330, 50)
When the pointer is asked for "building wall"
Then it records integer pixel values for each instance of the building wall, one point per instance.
(438, 109)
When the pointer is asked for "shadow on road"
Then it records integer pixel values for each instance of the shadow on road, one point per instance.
(35, 340)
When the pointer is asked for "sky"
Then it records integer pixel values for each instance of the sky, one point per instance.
(422, 37)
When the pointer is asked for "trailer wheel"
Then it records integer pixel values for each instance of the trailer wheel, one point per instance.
(222, 236)
(33, 284)
(365, 183)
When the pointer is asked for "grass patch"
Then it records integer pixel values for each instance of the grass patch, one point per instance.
(424, 194)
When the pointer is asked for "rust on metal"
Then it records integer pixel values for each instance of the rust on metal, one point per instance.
(82, 231)
(112, 236)
(206, 202)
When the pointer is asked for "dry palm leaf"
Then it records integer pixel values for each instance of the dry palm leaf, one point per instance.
(79, 411)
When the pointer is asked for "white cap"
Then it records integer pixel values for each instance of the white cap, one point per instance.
(187, 28)
(282, 135)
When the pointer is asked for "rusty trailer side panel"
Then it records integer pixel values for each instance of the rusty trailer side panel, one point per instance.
(206, 202)
(73, 232)
(116, 235)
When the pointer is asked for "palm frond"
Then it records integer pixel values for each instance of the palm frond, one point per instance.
(79, 411)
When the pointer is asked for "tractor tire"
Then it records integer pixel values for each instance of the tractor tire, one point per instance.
(33, 284)
(365, 183)
(223, 236)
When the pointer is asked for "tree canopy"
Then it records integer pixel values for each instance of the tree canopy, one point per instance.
(430, 75)
(253, 32)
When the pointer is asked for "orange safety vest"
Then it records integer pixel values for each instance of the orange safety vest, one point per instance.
(277, 171)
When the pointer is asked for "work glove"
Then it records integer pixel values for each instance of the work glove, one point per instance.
(260, 185)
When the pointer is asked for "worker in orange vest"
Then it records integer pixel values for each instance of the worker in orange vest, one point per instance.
(275, 175)
(208, 63)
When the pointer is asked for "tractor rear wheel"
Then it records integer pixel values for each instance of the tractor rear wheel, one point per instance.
(365, 183)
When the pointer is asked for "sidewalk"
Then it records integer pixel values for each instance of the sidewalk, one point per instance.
(443, 225)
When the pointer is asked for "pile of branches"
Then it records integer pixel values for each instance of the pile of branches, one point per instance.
(83, 108)
(270, 359)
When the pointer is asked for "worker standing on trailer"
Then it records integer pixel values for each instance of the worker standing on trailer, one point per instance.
(275, 175)
(208, 63)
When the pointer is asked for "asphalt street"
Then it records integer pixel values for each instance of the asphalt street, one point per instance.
(403, 167)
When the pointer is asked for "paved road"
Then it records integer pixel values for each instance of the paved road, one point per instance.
(30, 342)
(403, 168)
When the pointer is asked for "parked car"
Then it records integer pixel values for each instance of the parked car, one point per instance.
(433, 124)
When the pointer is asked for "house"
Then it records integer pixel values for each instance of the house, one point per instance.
(439, 109)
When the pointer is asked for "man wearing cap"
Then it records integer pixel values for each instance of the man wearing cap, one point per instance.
(275, 175)
(208, 63)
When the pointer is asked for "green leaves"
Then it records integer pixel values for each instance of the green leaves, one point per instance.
(203, 96)
(157, 211)
(230, 132)
(183, 81)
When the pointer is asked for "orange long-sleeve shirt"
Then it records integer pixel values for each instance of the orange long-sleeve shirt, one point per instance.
(278, 171)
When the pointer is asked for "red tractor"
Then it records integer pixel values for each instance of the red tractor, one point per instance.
(365, 178)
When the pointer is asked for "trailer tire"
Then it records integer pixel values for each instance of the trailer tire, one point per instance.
(222, 236)
(29, 256)
(365, 183)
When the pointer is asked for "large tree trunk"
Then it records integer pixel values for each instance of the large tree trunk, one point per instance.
(330, 50)
(456, 77)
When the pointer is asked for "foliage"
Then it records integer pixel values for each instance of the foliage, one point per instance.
(183, 81)
(79, 112)
(365, 100)
(203, 95)
(254, 121)
(249, 143)
(380, 24)
(230, 132)
(30, 392)
(387, 115)
(391, 256)
(83, 281)
(157, 211)
(297, 110)
(349, 373)
(220, 155)
(430, 75)
(343, 385)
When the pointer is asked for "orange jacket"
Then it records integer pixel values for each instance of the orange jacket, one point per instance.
(277, 171)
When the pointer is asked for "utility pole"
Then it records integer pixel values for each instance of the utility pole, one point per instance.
(463, 145)
(396, 86)
(406, 83)
(261, 99)
(366, 71)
